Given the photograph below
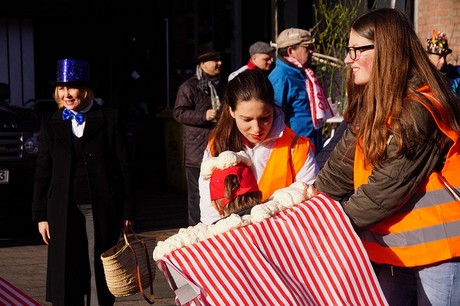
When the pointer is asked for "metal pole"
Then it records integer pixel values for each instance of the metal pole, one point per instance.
(167, 63)
(274, 20)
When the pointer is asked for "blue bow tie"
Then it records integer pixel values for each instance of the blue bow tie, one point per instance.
(67, 114)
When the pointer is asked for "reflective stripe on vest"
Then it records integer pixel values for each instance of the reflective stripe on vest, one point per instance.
(285, 161)
(426, 229)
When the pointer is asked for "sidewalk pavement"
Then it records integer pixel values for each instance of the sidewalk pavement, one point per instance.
(24, 266)
(159, 214)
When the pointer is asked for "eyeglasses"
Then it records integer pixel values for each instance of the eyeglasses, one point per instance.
(309, 47)
(355, 52)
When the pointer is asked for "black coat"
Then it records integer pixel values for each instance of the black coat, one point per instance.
(190, 110)
(104, 146)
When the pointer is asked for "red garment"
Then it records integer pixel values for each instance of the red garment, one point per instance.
(247, 183)
(251, 65)
(308, 254)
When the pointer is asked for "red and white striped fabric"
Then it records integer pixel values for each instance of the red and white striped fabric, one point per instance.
(306, 255)
(12, 296)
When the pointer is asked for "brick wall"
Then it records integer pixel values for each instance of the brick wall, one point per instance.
(444, 16)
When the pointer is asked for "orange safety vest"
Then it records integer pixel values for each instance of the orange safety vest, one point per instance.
(426, 229)
(286, 159)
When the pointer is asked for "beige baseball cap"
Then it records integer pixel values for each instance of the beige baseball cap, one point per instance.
(294, 36)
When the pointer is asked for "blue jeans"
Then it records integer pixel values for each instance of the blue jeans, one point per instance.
(436, 285)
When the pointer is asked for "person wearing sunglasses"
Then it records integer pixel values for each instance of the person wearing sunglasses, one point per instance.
(391, 167)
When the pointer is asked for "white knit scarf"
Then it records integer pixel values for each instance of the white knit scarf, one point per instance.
(320, 108)
(205, 82)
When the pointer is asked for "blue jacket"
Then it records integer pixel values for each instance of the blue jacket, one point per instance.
(453, 77)
(291, 95)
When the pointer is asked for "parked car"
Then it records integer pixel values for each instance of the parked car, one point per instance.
(19, 128)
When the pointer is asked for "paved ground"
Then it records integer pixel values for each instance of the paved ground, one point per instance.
(24, 266)
(161, 211)
(23, 259)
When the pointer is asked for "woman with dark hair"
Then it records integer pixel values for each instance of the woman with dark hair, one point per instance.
(251, 122)
(391, 167)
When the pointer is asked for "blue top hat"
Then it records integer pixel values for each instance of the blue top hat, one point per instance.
(72, 72)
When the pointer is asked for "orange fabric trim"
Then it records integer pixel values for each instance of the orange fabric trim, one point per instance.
(425, 252)
(300, 152)
(420, 255)
(452, 160)
(442, 126)
(361, 172)
(428, 216)
(278, 172)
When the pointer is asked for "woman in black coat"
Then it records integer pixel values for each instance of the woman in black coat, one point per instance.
(82, 196)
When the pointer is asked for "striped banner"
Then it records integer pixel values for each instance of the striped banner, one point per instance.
(306, 255)
(12, 296)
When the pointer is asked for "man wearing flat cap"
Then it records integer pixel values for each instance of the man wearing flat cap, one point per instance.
(297, 91)
(261, 57)
(197, 108)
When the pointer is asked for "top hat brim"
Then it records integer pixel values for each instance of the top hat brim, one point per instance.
(449, 51)
(73, 84)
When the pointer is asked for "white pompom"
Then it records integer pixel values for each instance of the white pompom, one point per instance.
(207, 168)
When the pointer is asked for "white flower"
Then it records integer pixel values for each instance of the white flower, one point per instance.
(225, 160)
(280, 200)
(263, 211)
(227, 224)
(207, 168)
(246, 220)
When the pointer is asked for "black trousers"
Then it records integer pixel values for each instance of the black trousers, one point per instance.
(192, 175)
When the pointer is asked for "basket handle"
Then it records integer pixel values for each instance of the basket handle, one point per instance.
(150, 300)
(124, 234)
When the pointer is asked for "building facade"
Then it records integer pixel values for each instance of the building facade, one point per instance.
(444, 16)
(139, 54)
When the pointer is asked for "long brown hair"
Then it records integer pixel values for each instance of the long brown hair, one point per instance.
(250, 84)
(241, 202)
(381, 107)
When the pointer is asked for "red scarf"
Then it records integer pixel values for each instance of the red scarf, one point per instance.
(251, 65)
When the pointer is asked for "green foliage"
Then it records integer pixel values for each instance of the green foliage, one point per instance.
(333, 20)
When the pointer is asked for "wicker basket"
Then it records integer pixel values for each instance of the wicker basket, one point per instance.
(129, 267)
